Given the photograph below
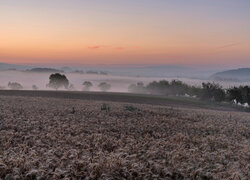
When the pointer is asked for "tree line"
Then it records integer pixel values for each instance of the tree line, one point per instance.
(57, 81)
(208, 91)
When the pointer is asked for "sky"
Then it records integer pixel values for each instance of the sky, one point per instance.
(193, 32)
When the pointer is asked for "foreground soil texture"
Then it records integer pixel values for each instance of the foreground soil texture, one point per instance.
(53, 138)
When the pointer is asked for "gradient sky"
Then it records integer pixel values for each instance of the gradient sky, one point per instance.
(125, 31)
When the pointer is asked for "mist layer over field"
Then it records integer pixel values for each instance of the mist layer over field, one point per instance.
(118, 83)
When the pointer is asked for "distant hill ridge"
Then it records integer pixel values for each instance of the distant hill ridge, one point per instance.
(45, 70)
(5, 66)
(241, 74)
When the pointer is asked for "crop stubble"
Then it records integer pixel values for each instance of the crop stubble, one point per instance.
(46, 138)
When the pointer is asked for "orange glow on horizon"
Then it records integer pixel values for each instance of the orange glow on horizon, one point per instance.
(44, 34)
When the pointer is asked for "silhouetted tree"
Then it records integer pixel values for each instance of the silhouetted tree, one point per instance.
(71, 87)
(87, 85)
(234, 94)
(240, 94)
(104, 86)
(178, 88)
(245, 92)
(160, 87)
(137, 88)
(57, 81)
(212, 91)
(195, 91)
(163, 87)
(34, 87)
(131, 88)
(15, 86)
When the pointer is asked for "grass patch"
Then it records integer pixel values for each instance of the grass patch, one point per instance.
(131, 108)
(105, 107)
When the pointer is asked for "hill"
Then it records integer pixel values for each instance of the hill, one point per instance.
(241, 74)
(45, 70)
(5, 66)
(161, 71)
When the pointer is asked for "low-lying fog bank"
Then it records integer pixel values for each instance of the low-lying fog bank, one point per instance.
(118, 83)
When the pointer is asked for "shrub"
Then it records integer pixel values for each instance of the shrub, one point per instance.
(160, 87)
(105, 107)
(137, 88)
(15, 86)
(71, 87)
(34, 87)
(87, 85)
(73, 111)
(130, 108)
(104, 86)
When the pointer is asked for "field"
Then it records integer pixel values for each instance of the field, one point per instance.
(46, 137)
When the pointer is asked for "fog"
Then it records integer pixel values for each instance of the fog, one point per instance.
(118, 83)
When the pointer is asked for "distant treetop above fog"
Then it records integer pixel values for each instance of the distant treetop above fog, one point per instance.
(57, 81)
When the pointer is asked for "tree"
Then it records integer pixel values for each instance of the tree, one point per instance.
(34, 87)
(71, 87)
(234, 94)
(87, 85)
(245, 93)
(240, 94)
(104, 86)
(132, 88)
(161, 87)
(195, 91)
(137, 88)
(15, 86)
(213, 91)
(175, 87)
(178, 87)
(57, 81)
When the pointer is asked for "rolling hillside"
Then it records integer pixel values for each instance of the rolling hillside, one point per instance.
(242, 74)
